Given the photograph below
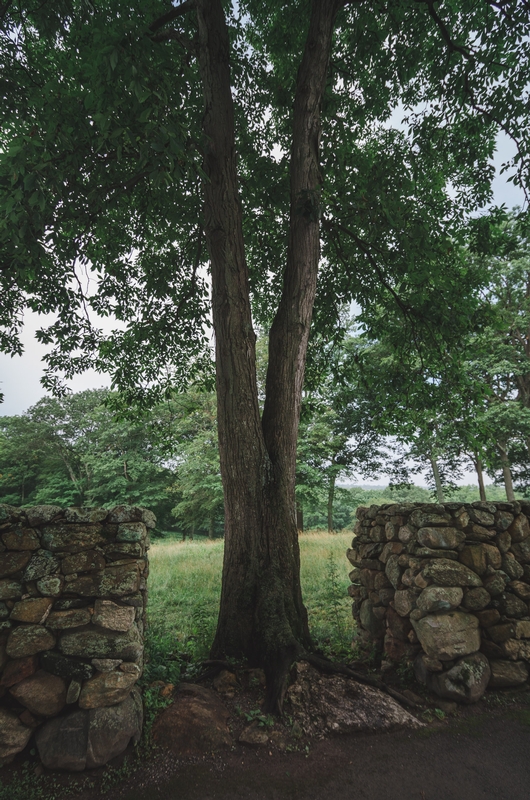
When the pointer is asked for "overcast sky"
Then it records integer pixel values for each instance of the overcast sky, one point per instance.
(20, 376)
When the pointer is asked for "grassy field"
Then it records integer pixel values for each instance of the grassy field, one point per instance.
(184, 589)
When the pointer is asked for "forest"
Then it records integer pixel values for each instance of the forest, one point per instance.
(354, 426)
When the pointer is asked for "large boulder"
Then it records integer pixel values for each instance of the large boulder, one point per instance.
(448, 636)
(195, 724)
(14, 736)
(87, 739)
(42, 693)
(507, 673)
(445, 572)
(335, 704)
(440, 598)
(466, 682)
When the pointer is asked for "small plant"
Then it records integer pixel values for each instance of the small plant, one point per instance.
(439, 714)
(405, 671)
(263, 720)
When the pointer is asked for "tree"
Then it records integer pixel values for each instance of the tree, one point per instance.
(70, 451)
(104, 164)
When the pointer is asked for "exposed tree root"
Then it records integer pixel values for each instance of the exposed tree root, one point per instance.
(330, 668)
(277, 674)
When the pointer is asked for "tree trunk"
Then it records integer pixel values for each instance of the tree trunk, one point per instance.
(437, 481)
(262, 616)
(300, 517)
(480, 476)
(331, 495)
(506, 472)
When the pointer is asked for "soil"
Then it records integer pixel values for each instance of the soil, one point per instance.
(473, 752)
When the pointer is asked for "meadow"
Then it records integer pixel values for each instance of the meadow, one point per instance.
(184, 591)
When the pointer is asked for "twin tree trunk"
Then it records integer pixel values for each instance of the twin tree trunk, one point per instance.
(262, 617)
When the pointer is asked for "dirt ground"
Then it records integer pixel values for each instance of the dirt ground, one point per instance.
(485, 756)
(480, 751)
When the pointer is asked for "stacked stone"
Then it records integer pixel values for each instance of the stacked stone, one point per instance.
(447, 586)
(72, 614)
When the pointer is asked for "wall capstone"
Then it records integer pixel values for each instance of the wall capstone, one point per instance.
(447, 587)
(73, 598)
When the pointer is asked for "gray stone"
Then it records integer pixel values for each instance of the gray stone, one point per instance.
(422, 519)
(111, 729)
(14, 736)
(429, 552)
(100, 643)
(9, 589)
(440, 598)
(74, 618)
(62, 742)
(522, 629)
(495, 583)
(4, 611)
(69, 538)
(21, 539)
(322, 704)
(519, 529)
(74, 690)
(131, 532)
(404, 602)
(476, 599)
(196, 723)
(450, 573)
(43, 563)
(10, 563)
(370, 621)
(110, 615)
(85, 515)
(254, 735)
(50, 586)
(448, 636)
(116, 581)
(512, 606)
(40, 515)
(88, 739)
(106, 689)
(466, 682)
(503, 520)
(511, 567)
(42, 693)
(26, 640)
(481, 517)
(406, 534)
(521, 589)
(444, 538)
(106, 664)
(393, 571)
(32, 609)
(507, 673)
(521, 551)
(67, 668)
(125, 513)
(84, 561)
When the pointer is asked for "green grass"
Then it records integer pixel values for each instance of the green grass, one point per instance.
(184, 590)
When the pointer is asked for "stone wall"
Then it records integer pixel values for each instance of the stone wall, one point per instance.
(72, 615)
(447, 587)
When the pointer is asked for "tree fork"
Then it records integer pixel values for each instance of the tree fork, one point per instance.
(262, 616)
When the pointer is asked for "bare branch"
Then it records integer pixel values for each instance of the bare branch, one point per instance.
(177, 11)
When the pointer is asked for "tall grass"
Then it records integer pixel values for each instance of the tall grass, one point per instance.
(185, 586)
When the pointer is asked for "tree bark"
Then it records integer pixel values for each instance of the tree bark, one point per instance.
(480, 476)
(437, 481)
(300, 517)
(331, 495)
(506, 472)
(262, 617)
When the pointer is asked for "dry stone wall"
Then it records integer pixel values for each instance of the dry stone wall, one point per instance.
(447, 587)
(72, 614)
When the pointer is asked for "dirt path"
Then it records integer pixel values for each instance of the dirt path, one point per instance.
(486, 756)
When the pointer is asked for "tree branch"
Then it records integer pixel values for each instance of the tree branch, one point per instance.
(175, 13)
